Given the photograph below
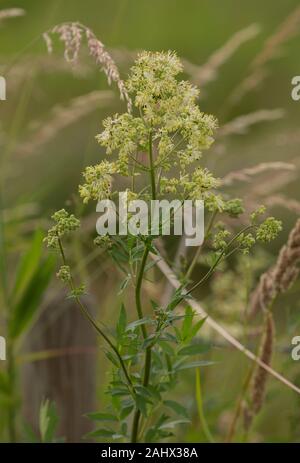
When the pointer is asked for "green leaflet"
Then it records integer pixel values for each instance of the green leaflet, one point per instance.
(48, 421)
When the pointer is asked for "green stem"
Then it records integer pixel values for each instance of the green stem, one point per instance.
(135, 426)
(138, 290)
(198, 252)
(222, 254)
(11, 371)
(88, 316)
(202, 419)
(152, 169)
(137, 413)
(212, 268)
(238, 408)
(147, 367)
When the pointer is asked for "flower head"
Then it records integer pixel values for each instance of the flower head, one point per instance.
(65, 223)
(269, 230)
(64, 274)
(219, 240)
(234, 207)
(246, 241)
(258, 212)
(200, 183)
(103, 241)
(153, 77)
(98, 181)
(169, 120)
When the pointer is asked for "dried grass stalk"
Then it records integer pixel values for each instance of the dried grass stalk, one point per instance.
(244, 175)
(169, 274)
(260, 376)
(286, 30)
(271, 49)
(32, 66)
(201, 75)
(63, 116)
(274, 181)
(241, 124)
(247, 416)
(72, 35)
(279, 278)
(281, 200)
(11, 13)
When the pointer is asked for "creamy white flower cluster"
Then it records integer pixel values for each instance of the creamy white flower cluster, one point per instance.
(98, 181)
(168, 121)
(126, 134)
(193, 186)
(169, 106)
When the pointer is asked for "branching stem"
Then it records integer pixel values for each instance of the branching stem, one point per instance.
(93, 322)
(147, 367)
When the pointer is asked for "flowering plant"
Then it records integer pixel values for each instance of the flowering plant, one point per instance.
(156, 149)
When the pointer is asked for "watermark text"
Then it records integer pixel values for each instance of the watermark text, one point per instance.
(2, 348)
(2, 88)
(296, 349)
(160, 217)
(295, 94)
